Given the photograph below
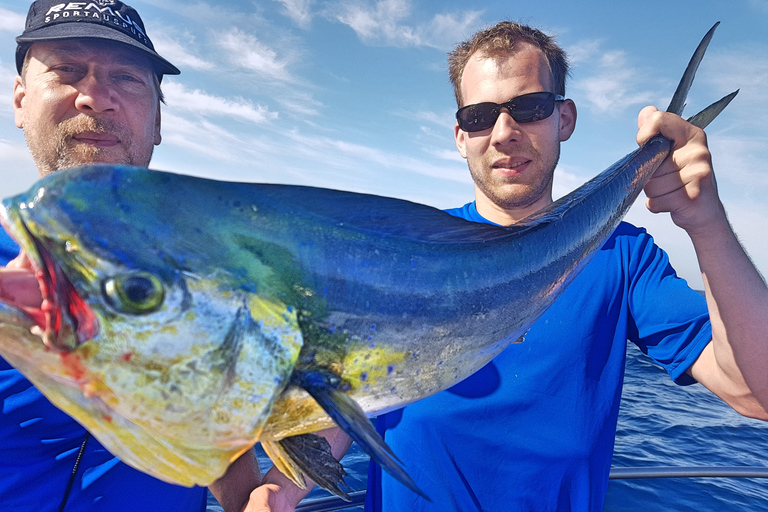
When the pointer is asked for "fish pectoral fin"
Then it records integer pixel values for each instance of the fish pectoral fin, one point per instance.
(308, 455)
(284, 462)
(323, 386)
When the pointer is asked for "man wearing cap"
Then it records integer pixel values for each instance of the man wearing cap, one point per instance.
(88, 91)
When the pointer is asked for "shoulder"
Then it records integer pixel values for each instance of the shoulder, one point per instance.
(630, 242)
(8, 248)
(469, 212)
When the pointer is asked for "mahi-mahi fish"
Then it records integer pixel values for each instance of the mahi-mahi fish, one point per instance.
(187, 319)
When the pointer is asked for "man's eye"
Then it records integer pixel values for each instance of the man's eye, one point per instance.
(65, 69)
(67, 74)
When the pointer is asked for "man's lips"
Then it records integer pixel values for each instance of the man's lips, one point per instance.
(103, 140)
(512, 166)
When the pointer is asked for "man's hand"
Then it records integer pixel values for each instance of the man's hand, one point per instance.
(734, 365)
(684, 184)
(278, 493)
(18, 285)
(269, 498)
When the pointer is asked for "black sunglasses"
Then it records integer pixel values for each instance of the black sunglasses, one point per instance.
(527, 108)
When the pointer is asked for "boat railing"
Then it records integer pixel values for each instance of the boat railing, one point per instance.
(358, 497)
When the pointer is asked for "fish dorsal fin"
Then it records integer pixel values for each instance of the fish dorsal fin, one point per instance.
(385, 217)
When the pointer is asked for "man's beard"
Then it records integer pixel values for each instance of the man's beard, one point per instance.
(59, 150)
(525, 195)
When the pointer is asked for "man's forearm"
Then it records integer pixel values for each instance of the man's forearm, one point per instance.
(233, 490)
(737, 299)
(339, 442)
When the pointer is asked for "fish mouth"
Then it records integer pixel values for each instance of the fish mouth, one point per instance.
(64, 320)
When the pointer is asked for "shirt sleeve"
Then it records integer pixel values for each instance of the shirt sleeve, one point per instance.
(669, 321)
(8, 248)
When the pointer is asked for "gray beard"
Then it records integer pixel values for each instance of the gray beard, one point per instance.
(59, 151)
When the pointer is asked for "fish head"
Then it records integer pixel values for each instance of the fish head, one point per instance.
(170, 361)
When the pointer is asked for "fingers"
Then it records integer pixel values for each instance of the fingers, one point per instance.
(651, 121)
(20, 261)
(19, 286)
(684, 184)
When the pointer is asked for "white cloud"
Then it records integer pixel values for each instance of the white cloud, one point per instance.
(380, 22)
(299, 11)
(747, 71)
(177, 52)
(567, 180)
(422, 116)
(452, 155)
(7, 76)
(200, 136)
(609, 84)
(11, 21)
(299, 103)
(583, 50)
(247, 52)
(19, 171)
(341, 154)
(383, 23)
(180, 98)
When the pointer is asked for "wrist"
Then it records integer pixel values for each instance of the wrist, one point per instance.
(281, 484)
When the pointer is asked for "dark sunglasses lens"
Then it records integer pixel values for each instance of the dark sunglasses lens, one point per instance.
(529, 108)
(478, 117)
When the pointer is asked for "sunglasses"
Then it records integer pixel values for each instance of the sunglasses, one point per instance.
(527, 108)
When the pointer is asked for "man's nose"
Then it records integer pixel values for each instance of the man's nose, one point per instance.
(95, 94)
(506, 129)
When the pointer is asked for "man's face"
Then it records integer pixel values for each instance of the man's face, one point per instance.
(512, 164)
(87, 101)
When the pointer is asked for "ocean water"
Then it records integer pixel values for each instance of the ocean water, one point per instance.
(660, 424)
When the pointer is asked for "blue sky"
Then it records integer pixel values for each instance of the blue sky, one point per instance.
(353, 95)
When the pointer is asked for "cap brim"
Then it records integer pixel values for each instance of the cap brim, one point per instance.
(90, 31)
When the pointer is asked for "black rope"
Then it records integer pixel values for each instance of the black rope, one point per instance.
(74, 472)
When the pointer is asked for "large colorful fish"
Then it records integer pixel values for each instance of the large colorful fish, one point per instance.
(188, 319)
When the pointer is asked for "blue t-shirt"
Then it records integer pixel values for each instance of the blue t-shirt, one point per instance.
(535, 428)
(39, 445)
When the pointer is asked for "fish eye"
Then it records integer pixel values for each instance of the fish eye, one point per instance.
(138, 293)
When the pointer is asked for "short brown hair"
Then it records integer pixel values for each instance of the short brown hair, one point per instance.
(499, 41)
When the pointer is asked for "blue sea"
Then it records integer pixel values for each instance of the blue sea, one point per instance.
(660, 424)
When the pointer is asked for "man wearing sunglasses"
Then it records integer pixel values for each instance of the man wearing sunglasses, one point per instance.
(535, 428)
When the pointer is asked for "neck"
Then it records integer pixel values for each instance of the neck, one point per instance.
(508, 216)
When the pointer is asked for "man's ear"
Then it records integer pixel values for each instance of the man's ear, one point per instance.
(158, 137)
(567, 114)
(19, 93)
(460, 136)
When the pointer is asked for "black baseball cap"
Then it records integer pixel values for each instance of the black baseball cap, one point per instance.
(113, 20)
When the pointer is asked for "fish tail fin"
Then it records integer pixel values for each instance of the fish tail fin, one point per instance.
(310, 455)
(323, 386)
(706, 116)
(677, 104)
